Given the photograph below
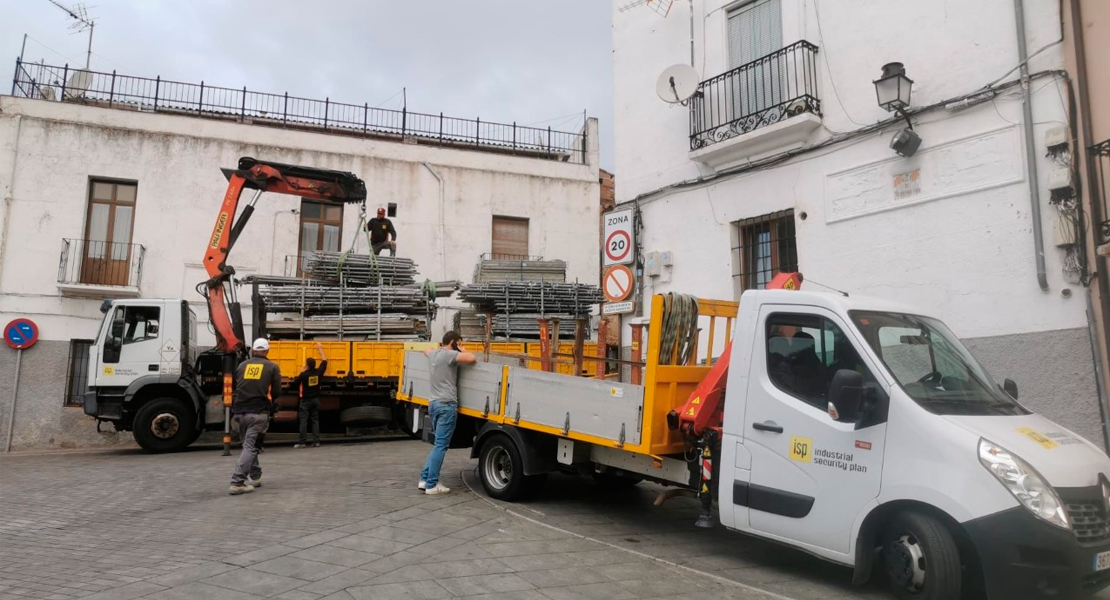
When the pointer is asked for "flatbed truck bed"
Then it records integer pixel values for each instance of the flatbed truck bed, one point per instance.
(609, 423)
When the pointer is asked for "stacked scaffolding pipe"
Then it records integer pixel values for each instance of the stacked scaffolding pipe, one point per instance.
(542, 298)
(360, 269)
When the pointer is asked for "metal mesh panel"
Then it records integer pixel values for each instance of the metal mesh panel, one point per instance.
(77, 373)
(764, 246)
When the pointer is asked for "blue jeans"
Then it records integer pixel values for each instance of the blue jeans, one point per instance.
(444, 415)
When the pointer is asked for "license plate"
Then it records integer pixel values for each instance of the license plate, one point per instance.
(1102, 561)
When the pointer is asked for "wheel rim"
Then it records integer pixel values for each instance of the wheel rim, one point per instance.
(165, 425)
(906, 563)
(498, 468)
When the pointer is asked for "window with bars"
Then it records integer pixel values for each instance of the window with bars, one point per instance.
(763, 247)
(77, 372)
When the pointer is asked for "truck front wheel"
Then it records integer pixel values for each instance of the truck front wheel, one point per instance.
(921, 558)
(164, 425)
(501, 470)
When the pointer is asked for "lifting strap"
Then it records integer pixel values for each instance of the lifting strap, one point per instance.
(361, 227)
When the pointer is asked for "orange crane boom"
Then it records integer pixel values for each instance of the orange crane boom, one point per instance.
(332, 187)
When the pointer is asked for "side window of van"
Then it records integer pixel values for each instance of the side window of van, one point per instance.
(803, 353)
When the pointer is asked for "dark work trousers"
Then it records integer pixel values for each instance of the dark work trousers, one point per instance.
(383, 245)
(310, 409)
(251, 425)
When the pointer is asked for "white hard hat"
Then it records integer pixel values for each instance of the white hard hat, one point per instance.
(261, 345)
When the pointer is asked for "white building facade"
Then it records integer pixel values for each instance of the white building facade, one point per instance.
(781, 161)
(100, 202)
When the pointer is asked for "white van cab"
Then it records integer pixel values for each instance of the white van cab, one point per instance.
(912, 455)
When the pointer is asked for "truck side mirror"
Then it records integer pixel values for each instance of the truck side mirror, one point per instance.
(1010, 388)
(846, 396)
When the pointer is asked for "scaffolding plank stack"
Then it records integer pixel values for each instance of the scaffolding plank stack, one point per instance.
(554, 271)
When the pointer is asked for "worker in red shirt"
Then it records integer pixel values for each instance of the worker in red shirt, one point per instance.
(382, 234)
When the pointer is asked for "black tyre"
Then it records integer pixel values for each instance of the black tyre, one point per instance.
(502, 471)
(366, 415)
(164, 425)
(616, 481)
(921, 559)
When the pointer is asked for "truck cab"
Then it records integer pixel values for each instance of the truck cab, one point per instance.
(142, 373)
(864, 432)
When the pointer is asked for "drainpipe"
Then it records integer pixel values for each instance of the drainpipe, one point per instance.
(10, 197)
(1030, 148)
(273, 238)
(442, 217)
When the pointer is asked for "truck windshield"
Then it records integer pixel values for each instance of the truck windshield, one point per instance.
(932, 366)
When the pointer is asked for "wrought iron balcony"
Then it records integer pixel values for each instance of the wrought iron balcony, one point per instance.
(98, 268)
(767, 90)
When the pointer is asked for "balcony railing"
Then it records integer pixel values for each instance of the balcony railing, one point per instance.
(111, 90)
(100, 264)
(763, 92)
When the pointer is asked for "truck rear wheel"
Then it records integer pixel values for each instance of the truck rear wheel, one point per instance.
(921, 558)
(501, 470)
(366, 415)
(164, 425)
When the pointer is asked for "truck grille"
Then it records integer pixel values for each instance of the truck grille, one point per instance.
(1089, 521)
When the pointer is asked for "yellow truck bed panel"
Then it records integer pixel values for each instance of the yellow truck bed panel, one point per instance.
(290, 356)
(376, 359)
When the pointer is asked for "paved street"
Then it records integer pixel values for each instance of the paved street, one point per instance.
(345, 522)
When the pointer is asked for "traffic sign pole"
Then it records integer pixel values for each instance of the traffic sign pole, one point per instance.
(15, 393)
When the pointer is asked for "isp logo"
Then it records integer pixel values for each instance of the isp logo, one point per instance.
(801, 449)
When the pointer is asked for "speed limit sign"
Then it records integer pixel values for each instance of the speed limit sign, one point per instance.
(618, 239)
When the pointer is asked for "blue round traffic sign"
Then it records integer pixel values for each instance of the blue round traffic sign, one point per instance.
(21, 333)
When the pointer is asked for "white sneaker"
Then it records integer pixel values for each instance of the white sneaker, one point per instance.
(423, 485)
(254, 482)
(236, 490)
(438, 489)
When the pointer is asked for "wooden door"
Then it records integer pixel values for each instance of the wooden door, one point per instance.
(106, 256)
(510, 238)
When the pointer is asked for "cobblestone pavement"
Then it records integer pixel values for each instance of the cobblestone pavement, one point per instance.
(342, 522)
(345, 522)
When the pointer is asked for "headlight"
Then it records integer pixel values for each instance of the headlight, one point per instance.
(1023, 481)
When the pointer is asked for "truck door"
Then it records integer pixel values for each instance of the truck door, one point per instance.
(131, 346)
(810, 475)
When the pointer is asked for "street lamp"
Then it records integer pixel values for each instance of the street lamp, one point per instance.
(893, 88)
(893, 91)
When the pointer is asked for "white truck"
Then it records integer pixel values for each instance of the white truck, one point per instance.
(144, 374)
(855, 429)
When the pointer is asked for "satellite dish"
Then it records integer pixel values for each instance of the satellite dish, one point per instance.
(677, 83)
(78, 84)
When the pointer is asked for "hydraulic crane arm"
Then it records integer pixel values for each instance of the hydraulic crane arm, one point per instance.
(333, 187)
(705, 408)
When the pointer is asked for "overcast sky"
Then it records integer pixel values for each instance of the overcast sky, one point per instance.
(530, 61)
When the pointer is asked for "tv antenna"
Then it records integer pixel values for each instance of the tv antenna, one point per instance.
(81, 22)
(661, 7)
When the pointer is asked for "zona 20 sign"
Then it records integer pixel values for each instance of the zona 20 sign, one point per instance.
(619, 240)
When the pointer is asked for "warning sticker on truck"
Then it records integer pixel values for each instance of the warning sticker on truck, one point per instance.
(1046, 442)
